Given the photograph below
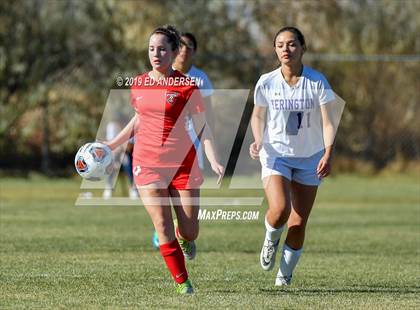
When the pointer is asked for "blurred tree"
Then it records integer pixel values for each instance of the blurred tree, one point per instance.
(379, 118)
(59, 59)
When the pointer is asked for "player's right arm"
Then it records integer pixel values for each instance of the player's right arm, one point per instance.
(124, 134)
(258, 126)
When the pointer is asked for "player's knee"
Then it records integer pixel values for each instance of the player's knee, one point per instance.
(189, 234)
(297, 228)
(278, 215)
(280, 206)
(297, 221)
(163, 227)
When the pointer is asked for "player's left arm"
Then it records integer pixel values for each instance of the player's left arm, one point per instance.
(209, 112)
(324, 165)
(124, 135)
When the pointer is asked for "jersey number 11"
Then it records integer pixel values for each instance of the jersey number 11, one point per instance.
(294, 122)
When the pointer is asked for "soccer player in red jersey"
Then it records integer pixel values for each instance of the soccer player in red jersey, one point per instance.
(165, 164)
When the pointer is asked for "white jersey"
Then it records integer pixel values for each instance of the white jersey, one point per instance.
(293, 121)
(206, 89)
(112, 130)
(201, 80)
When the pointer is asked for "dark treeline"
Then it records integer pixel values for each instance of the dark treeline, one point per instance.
(59, 59)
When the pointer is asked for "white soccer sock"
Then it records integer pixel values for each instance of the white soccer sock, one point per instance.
(271, 233)
(289, 259)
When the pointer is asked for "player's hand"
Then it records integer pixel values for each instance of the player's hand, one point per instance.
(219, 170)
(107, 143)
(254, 150)
(115, 149)
(324, 167)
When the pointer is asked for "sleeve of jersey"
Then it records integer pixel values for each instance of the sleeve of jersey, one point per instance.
(195, 102)
(325, 93)
(259, 96)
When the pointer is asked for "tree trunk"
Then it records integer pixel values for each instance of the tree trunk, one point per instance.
(45, 147)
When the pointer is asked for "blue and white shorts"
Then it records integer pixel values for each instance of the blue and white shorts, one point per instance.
(299, 169)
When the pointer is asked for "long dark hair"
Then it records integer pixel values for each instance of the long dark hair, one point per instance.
(191, 37)
(293, 30)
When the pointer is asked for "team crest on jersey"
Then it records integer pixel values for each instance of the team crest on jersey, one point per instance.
(136, 170)
(171, 96)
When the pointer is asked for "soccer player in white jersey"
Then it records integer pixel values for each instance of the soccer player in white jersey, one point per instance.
(184, 63)
(293, 138)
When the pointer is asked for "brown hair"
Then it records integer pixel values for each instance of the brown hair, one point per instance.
(293, 30)
(171, 34)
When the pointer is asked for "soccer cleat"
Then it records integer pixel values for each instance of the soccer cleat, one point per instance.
(133, 194)
(188, 248)
(155, 240)
(107, 194)
(184, 288)
(268, 254)
(283, 281)
(86, 195)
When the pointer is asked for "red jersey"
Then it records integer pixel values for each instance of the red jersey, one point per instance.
(163, 108)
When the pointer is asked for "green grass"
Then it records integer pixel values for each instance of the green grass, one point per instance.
(361, 252)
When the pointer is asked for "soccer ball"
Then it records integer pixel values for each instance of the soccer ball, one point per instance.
(94, 161)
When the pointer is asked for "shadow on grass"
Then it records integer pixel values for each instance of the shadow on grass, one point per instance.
(356, 290)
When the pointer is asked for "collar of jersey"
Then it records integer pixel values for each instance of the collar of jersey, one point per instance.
(298, 82)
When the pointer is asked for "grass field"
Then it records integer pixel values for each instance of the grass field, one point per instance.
(361, 252)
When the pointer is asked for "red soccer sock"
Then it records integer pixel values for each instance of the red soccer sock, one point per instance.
(175, 261)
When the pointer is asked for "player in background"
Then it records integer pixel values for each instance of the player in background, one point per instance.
(293, 138)
(164, 159)
(184, 64)
(112, 129)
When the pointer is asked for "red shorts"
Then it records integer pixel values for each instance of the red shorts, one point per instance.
(178, 178)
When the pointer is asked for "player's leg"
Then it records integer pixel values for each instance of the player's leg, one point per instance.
(127, 165)
(157, 203)
(277, 190)
(184, 190)
(186, 205)
(108, 191)
(303, 197)
(184, 186)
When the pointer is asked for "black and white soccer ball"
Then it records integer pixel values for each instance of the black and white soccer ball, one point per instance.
(94, 161)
